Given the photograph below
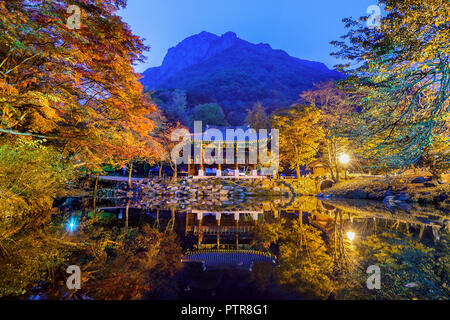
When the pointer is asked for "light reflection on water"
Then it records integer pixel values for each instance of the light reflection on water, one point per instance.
(314, 248)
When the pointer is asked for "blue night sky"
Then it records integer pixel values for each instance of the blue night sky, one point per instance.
(303, 29)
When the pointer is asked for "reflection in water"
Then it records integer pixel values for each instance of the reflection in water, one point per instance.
(254, 249)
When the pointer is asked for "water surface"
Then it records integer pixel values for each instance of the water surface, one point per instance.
(292, 248)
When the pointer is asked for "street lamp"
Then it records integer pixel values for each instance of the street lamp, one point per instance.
(344, 158)
(351, 235)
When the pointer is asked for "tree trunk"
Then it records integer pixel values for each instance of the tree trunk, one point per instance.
(172, 219)
(160, 170)
(175, 172)
(126, 217)
(157, 218)
(300, 224)
(298, 172)
(129, 174)
(330, 159)
(337, 168)
(94, 202)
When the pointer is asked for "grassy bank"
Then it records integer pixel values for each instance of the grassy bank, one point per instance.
(402, 188)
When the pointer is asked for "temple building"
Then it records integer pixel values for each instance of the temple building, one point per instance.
(243, 162)
(224, 239)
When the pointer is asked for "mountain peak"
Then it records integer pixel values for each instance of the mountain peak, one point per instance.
(202, 35)
(235, 73)
(229, 35)
(195, 49)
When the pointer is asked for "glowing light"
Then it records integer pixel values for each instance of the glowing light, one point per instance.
(350, 235)
(344, 158)
(71, 225)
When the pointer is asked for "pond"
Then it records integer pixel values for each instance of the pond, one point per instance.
(253, 248)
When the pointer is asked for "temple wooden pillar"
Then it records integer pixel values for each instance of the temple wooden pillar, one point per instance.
(276, 213)
(202, 167)
(236, 156)
(189, 167)
(218, 217)
(200, 240)
(200, 233)
(237, 234)
(219, 165)
(126, 217)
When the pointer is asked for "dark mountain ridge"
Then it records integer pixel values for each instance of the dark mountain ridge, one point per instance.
(235, 74)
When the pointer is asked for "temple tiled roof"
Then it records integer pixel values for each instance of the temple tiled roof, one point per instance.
(223, 131)
(229, 258)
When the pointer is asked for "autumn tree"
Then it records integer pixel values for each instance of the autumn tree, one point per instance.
(402, 68)
(257, 117)
(143, 264)
(163, 136)
(30, 259)
(335, 110)
(305, 265)
(120, 265)
(31, 176)
(77, 88)
(300, 135)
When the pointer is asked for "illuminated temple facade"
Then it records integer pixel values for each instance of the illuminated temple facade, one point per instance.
(224, 238)
(198, 166)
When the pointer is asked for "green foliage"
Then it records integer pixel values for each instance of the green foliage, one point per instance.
(31, 176)
(210, 114)
(173, 103)
(401, 79)
(437, 156)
